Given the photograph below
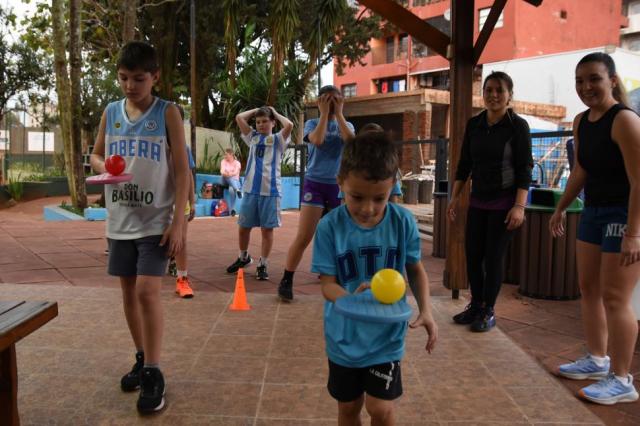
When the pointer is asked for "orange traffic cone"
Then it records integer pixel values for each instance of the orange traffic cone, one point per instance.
(240, 295)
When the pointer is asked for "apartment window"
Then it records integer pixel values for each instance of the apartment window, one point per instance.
(392, 84)
(631, 43)
(403, 46)
(634, 8)
(483, 14)
(391, 47)
(435, 80)
(349, 90)
(418, 49)
(440, 23)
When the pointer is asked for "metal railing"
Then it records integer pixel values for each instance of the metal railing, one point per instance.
(550, 158)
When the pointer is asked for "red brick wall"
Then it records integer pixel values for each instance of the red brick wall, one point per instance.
(409, 127)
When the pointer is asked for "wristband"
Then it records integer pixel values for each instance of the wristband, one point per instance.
(519, 205)
(631, 236)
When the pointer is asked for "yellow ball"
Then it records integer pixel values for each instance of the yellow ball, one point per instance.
(388, 286)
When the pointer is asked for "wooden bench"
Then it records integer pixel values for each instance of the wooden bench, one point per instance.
(17, 320)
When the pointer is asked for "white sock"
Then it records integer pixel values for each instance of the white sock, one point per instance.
(263, 261)
(182, 274)
(625, 380)
(244, 254)
(599, 360)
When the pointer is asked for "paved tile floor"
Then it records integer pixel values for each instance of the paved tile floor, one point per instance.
(229, 368)
(264, 366)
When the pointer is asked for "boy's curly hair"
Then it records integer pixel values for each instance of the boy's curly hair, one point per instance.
(370, 154)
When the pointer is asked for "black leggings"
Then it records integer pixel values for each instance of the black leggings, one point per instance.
(485, 246)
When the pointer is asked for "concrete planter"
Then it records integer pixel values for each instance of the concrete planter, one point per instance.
(54, 187)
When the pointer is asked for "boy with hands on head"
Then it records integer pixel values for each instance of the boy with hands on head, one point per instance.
(262, 185)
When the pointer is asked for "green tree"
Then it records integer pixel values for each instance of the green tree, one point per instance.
(22, 69)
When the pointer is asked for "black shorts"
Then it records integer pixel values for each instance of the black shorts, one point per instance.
(142, 256)
(382, 381)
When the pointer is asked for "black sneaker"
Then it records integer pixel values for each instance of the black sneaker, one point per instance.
(285, 290)
(485, 321)
(151, 397)
(239, 194)
(131, 380)
(239, 263)
(233, 213)
(469, 314)
(261, 273)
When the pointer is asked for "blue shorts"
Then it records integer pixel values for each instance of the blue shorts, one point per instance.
(259, 211)
(321, 195)
(603, 226)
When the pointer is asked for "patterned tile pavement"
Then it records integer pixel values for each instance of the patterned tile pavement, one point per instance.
(265, 366)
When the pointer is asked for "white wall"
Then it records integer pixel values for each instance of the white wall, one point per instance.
(550, 79)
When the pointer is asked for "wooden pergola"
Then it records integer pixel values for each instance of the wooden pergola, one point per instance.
(463, 54)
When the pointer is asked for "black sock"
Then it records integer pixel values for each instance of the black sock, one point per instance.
(288, 275)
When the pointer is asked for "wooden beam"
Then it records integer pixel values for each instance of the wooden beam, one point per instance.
(462, 13)
(487, 29)
(427, 34)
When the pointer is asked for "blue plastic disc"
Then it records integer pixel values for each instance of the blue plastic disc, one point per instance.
(364, 307)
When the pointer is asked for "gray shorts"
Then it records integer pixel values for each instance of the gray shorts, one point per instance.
(142, 256)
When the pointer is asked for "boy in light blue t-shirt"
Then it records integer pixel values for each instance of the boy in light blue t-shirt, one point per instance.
(351, 244)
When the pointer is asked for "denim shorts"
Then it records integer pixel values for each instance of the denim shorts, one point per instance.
(141, 256)
(318, 194)
(259, 211)
(603, 226)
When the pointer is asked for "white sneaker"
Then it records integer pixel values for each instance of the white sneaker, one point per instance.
(584, 368)
(609, 391)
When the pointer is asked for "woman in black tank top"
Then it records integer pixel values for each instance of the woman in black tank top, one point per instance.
(607, 138)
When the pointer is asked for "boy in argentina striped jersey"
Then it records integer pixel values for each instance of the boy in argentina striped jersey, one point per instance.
(262, 188)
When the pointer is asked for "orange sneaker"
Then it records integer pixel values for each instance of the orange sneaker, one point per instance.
(183, 288)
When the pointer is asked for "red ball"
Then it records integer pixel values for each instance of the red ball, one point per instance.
(115, 164)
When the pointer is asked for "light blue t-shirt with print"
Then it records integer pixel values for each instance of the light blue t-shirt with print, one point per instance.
(353, 254)
(324, 160)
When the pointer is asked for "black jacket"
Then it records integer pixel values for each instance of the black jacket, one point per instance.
(497, 157)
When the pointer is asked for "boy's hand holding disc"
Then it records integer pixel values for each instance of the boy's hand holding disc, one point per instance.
(115, 165)
(382, 304)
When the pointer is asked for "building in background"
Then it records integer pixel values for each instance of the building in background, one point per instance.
(398, 63)
(630, 33)
(404, 86)
(550, 79)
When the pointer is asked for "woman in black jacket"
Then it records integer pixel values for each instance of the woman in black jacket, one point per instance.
(496, 153)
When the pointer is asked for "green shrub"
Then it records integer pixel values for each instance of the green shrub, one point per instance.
(210, 163)
(15, 188)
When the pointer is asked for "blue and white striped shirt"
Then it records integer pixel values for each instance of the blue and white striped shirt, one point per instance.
(262, 175)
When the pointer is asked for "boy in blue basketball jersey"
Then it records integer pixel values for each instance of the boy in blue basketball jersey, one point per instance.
(262, 188)
(351, 244)
(142, 230)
